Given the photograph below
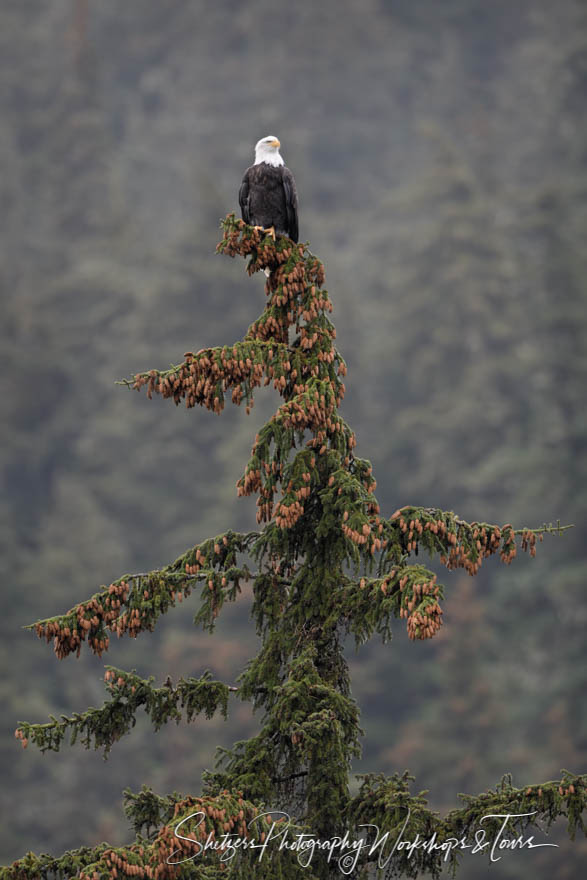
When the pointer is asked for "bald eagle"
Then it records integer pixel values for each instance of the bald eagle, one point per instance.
(267, 196)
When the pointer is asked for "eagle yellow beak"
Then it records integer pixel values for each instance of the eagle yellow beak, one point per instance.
(275, 143)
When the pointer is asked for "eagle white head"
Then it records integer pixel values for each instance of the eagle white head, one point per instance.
(267, 150)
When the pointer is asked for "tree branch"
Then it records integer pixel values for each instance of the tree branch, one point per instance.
(117, 716)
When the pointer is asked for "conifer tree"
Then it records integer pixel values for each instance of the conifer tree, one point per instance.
(324, 562)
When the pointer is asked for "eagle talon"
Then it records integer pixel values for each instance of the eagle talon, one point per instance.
(269, 231)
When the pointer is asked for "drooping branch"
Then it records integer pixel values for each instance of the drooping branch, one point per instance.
(133, 603)
(176, 850)
(385, 804)
(383, 545)
(367, 605)
(204, 378)
(458, 543)
(115, 718)
(411, 591)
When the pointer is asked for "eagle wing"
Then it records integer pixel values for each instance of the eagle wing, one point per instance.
(243, 198)
(291, 202)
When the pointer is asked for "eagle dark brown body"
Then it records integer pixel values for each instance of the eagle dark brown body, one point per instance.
(268, 198)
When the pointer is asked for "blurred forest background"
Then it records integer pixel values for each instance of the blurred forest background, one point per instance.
(440, 153)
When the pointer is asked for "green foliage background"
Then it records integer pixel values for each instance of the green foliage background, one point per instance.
(440, 153)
